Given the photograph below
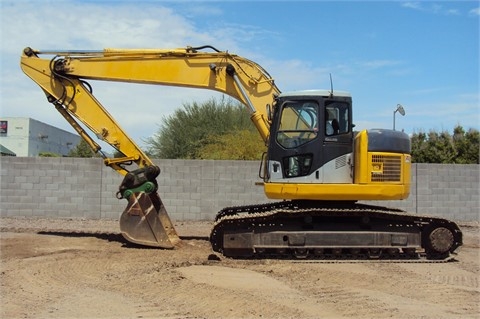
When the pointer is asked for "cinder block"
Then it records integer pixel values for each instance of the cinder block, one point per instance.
(26, 186)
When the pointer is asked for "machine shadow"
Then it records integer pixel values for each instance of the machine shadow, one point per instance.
(111, 237)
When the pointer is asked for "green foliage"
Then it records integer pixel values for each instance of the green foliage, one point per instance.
(82, 150)
(460, 148)
(238, 145)
(187, 133)
(467, 145)
(48, 154)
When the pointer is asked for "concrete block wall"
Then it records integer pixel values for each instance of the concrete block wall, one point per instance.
(198, 189)
(86, 188)
(448, 190)
(50, 187)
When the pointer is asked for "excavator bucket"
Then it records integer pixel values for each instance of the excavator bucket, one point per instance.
(145, 221)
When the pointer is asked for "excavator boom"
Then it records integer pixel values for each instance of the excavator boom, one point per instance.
(220, 71)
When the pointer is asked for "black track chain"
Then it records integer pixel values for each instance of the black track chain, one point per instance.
(246, 217)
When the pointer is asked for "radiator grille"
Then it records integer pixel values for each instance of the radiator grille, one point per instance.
(391, 168)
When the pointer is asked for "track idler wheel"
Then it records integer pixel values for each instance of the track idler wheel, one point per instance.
(440, 241)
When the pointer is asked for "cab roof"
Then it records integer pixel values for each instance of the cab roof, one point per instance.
(315, 93)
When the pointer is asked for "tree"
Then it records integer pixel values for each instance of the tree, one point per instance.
(81, 150)
(418, 145)
(187, 132)
(461, 147)
(238, 145)
(467, 145)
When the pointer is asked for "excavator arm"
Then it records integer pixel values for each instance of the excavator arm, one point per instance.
(62, 75)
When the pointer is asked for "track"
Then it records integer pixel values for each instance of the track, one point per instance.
(332, 231)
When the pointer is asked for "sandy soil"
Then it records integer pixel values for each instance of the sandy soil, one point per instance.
(84, 269)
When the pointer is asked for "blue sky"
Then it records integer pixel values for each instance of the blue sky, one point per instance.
(423, 55)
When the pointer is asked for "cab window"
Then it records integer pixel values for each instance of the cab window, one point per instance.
(298, 123)
(337, 118)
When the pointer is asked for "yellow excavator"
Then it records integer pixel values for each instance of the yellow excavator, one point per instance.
(316, 167)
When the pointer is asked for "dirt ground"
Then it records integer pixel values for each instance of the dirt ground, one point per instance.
(84, 269)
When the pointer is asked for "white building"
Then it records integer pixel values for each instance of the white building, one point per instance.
(28, 137)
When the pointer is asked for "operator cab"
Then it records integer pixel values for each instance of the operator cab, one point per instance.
(311, 138)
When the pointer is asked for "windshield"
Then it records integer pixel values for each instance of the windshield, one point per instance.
(298, 123)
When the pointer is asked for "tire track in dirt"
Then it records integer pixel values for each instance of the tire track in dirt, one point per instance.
(416, 283)
(256, 286)
(330, 291)
(54, 280)
(371, 289)
(47, 278)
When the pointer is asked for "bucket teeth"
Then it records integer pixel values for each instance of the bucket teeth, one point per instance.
(145, 221)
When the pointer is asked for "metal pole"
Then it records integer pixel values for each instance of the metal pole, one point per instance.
(399, 109)
(394, 119)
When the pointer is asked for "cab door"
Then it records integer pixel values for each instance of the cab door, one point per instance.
(337, 141)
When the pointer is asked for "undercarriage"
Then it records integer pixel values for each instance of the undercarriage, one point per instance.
(332, 230)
